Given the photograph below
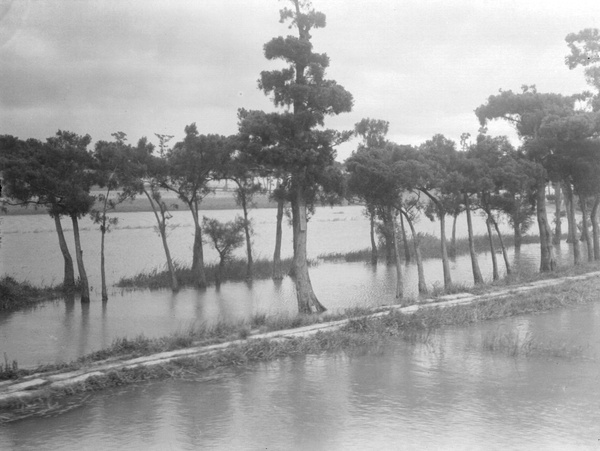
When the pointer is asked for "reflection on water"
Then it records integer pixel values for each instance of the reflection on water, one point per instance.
(448, 393)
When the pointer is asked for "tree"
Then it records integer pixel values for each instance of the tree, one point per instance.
(225, 238)
(291, 142)
(471, 181)
(147, 171)
(22, 172)
(65, 183)
(372, 177)
(192, 164)
(430, 170)
(244, 173)
(493, 154)
(528, 111)
(367, 188)
(112, 172)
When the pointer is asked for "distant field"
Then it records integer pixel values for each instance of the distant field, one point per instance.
(217, 201)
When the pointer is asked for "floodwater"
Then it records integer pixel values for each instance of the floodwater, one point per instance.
(62, 331)
(450, 393)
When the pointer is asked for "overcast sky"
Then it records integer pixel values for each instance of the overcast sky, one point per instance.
(149, 66)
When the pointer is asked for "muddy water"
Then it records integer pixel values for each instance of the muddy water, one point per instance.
(62, 331)
(450, 393)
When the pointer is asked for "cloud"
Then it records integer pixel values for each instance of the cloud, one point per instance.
(145, 66)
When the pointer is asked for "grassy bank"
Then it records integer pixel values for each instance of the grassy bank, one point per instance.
(359, 335)
(430, 248)
(234, 271)
(22, 295)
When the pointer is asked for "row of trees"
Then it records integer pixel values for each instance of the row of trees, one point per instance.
(292, 148)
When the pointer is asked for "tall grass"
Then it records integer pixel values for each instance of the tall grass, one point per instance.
(430, 248)
(16, 295)
(234, 271)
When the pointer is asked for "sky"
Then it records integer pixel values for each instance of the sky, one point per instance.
(155, 66)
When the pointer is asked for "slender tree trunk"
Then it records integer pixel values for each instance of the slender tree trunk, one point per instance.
(594, 219)
(504, 253)
(277, 270)
(453, 239)
(399, 281)
(374, 256)
(162, 228)
(198, 269)
(445, 262)
(404, 241)
(547, 261)
(307, 300)
(85, 288)
(69, 272)
(585, 233)
(474, 262)
(518, 236)
(102, 259)
(418, 258)
(250, 261)
(557, 220)
(444, 248)
(388, 235)
(571, 222)
(102, 265)
(295, 215)
(570, 201)
(219, 274)
(488, 224)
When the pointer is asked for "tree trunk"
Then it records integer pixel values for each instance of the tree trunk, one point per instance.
(69, 272)
(295, 214)
(570, 201)
(445, 262)
(102, 259)
(504, 253)
(585, 233)
(249, 262)
(453, 239)
(219, 274)
(495, 275)
(547, 261)
(83, 280)
(594, 219)
(374, 256)
(518, 237)
(163, 235)
(478, 279)
(404, 241)
(307, 300)
(102, 266)
(571, 223)
(418, 258)
(277, 269)
(557, 220)
(399, 281)
(388, 235)
(198, 269)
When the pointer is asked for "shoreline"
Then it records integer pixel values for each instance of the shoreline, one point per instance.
(245, 344)
(140, 204)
